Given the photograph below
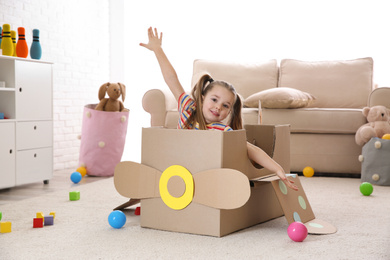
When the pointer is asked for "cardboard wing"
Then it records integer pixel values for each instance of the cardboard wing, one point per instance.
(177, 187)
(296, 206)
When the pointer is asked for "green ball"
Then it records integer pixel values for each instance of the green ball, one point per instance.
(366, 188)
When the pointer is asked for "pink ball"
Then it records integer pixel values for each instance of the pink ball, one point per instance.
(297, 231)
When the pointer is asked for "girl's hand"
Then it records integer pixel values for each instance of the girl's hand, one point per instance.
(289, 183)
(154, 40)
(166, 67)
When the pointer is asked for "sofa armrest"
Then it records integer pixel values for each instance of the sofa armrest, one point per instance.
(379, 96)
(157, 102)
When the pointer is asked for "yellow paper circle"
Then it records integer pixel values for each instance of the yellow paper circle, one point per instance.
(186, 198)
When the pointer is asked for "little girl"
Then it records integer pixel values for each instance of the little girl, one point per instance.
(211, 103)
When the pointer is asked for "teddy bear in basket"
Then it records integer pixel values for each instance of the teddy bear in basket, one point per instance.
(378, 124)
(114, 91)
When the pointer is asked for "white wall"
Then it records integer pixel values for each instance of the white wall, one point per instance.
(74, 36)
(247, 30)
(252, 30)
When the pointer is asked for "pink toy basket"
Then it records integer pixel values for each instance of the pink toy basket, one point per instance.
(103, 138)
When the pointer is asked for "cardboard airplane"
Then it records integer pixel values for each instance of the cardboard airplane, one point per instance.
(202, 182)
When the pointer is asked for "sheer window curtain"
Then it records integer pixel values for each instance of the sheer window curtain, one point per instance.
(245, 31)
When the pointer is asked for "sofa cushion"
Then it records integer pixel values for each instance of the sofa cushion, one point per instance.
(280, 98)
(247, 78)
(335, 84)
(316, 120)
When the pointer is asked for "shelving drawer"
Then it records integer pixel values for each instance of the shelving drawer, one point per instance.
(34, 134)
(34, 165)
(7, 154)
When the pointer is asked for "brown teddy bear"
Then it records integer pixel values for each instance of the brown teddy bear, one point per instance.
(114, 91)
(378, 124)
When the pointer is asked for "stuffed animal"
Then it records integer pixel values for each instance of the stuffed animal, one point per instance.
(378, 118)
(114, 91)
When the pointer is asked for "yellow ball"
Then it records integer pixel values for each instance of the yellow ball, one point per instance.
(82, 171)
(308, 171)
(386, 136)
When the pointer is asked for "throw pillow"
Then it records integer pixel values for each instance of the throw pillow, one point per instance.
(280, 98)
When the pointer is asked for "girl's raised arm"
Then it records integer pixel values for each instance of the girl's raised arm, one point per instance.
(167, 69)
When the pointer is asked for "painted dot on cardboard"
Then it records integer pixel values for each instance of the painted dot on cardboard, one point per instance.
(302, 202)
(283, 187)
(316, 225)
(296, 217)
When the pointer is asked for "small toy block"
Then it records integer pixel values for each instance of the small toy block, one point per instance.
(137, 211)
(5, 227)
(37, 222)
(40, 215)
(74, 195)
(53, 213)
(1, 215)
(49, 220)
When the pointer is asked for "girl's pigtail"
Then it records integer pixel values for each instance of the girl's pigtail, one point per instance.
(236, 119)
(197, 94)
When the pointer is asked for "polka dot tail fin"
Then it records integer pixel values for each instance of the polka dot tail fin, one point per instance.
(296, 206)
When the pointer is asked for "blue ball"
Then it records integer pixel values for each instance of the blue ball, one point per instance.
(117, 219)
(76, 177)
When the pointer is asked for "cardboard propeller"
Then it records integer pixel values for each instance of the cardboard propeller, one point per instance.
(218, 188)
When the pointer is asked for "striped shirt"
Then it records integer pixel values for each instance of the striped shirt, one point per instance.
(186, 106)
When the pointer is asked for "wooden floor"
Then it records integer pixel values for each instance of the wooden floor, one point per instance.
(60, 180)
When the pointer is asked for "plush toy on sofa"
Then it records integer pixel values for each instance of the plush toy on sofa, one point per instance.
(114, 91)
(378, 124)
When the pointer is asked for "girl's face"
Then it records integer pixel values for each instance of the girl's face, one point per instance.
(217, 104)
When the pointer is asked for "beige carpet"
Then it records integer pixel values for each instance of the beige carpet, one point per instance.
(81, 229)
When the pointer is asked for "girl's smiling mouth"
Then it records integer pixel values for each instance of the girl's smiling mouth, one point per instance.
(215, 113)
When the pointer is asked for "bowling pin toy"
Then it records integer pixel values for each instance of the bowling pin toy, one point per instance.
(13, 37)
(6, 43)
(36, 49)
(21, 46)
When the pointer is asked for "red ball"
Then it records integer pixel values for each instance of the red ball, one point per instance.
(297, 231)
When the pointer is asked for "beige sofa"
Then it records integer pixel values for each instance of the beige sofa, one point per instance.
(321, 100)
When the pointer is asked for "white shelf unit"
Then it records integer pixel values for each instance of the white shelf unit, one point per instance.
(26, 137)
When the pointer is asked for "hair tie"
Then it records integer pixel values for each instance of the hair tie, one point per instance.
(206, 84)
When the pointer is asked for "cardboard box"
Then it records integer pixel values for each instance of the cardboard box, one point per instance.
(229, 192)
